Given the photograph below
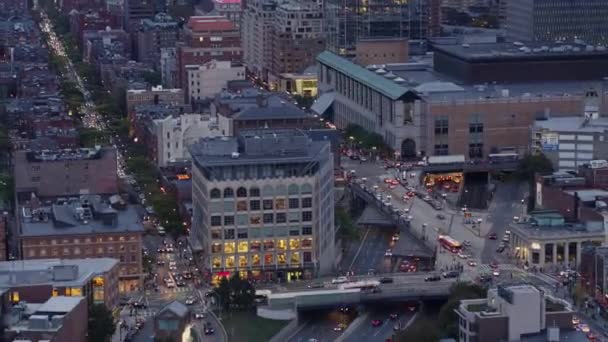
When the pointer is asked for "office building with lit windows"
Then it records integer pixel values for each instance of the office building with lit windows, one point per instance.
(35, 281)
(263, 205)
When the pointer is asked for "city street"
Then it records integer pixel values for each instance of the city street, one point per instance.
(366, 332)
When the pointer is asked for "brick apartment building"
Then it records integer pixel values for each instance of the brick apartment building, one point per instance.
(154, 95)
(208, 38)
(65, 172)
(89, 226)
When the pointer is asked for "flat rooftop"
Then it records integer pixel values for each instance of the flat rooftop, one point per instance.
(67, 154)
(60, 304)
(573, 124)
(258, 147)
(87, 214)
(59, 272)
(517, 50)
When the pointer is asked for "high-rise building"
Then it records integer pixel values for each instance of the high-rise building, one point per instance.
(346, 22)
(553, 20)
(208, 38)
(257, 24)
(282, 37)
(263, 205)
(155, 34)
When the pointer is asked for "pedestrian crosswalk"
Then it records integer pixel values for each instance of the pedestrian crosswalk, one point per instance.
(165, 290)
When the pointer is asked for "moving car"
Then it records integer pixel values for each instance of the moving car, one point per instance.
(472, 263)
(492, 236)
(441, 216)
(339, 280)
(395, 237)
(315, 285)
(340, 327)
(208, 329)
(434, 277)
(393, 316)
(386, 280)
(190, 300)
(450, 274)
(376, 322)
(388, 253)
(199, 315)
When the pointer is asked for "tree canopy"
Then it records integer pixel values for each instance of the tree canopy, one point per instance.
(422, 330)
(448, 320)
(101, 323)
(235, 293)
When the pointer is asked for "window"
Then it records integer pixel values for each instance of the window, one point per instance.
(228, 193)
(229, 220)
(475, 128)
(306, 189)
(254, 205)
(280, 204)
(307, 216)
(243, 247)
(255, 219)
(307, 243)
(267, 204)
(133, 257)
(216, 248)
(216, 221)
(441, 149)
(216, 234)
(281, 218)
(293, 189)
(215, 193)
(441, 125)
(306, 202)
(268, 218)
(241, 192)
(242, 234)
(306, 230)
(254, 192)
(229, 234)
(475, 150)
(241, 206)
(294, 203)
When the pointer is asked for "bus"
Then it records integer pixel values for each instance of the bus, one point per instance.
(450, 244)
(496, 158)
(364, 285)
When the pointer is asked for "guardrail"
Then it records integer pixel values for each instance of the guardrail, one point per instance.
(397, 219)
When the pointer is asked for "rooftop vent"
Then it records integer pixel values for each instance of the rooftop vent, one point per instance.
(390, 75)
(381, 71)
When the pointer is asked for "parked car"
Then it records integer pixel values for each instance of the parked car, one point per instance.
(450, 274)
(339, 280)
(316, 285)
(386, 280)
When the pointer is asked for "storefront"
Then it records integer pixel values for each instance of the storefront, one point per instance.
(448, 181)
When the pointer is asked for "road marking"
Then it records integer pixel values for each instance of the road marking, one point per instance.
(359, 250)
(380, 328)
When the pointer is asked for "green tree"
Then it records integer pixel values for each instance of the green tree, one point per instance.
(422, 330)
(90, 137)
(528, 167)
(235, 293)
(347, 229)
(101, 323)
(304, 101)
(153, 78)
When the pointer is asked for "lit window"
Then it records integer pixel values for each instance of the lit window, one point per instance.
(268, 259)
(98, 281)
(255, 260)
(68, 291)
(55, 293)
(281, 259)
(229, 247)
(243, 247)
(281, 245)
(216, 262)
(294, 243)
(243, 261)
(76, 291)
(230, 261)
(15, 297)
(295, 258)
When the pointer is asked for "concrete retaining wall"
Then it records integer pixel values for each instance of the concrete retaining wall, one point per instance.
(279, 315)
(286, 332)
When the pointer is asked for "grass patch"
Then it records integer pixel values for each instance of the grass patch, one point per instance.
(247, 326)
(477, 307)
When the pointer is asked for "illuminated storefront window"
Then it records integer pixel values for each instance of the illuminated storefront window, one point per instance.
(243, 275)
(268, 259)
(294, 243)
(307, 243)
(68, 291)
(98, 295)
(217, 277)
(55, 293)
(282, 245)
(216, 262)
(15, 297)
(255, 260)
(281, 259)
(98, 281)
(229, 247)
(243, 261)
(76, 291)
(269, 245)
(230, 261)
(295, 258)
(243, 247)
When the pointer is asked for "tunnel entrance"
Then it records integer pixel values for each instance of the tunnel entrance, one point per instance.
(475, 193)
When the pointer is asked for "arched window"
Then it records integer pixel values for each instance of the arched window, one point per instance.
(241, 192)
(281, 190)
(254, 191)
(216, 193)
(228, 193)
(293, 189)
(267, 191)
(306, 189)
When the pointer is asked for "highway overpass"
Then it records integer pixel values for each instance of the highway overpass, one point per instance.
(410, 243)
(330, 298)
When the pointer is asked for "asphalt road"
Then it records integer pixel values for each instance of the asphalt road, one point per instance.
(368, 254)
(320, 326)
(505, 204)
(368, 333)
